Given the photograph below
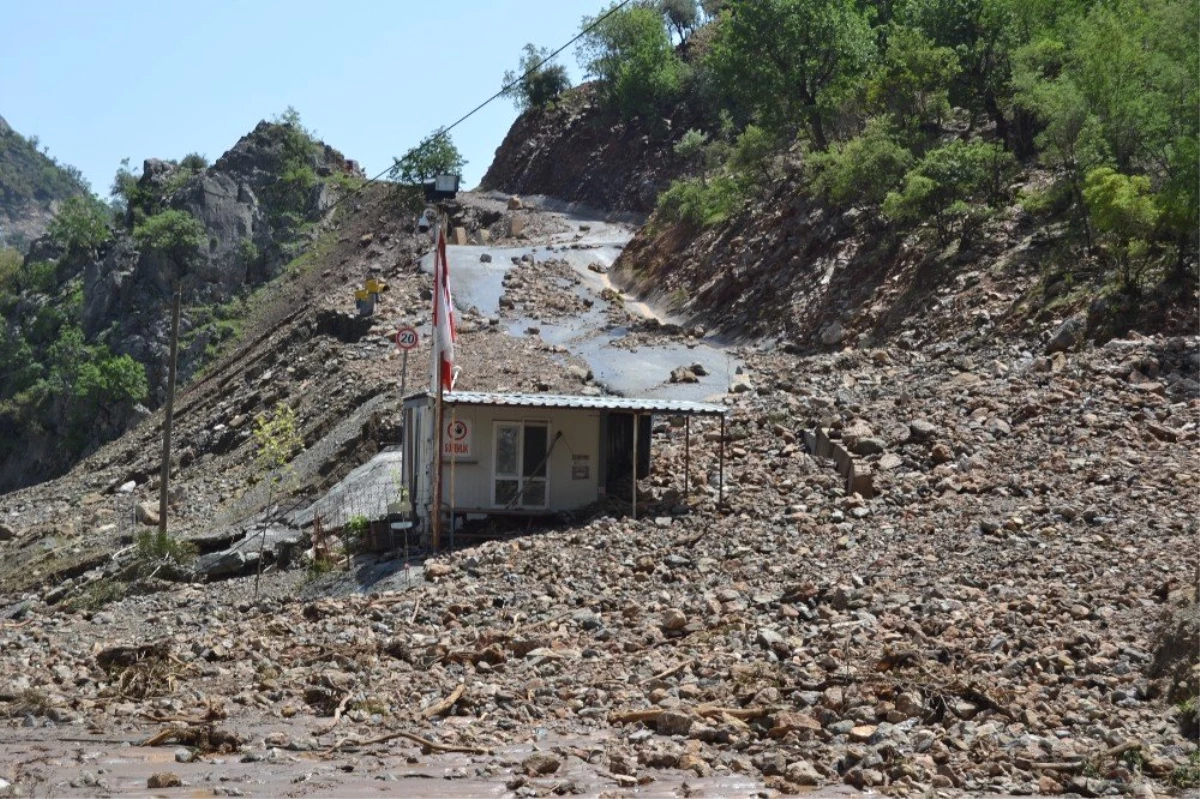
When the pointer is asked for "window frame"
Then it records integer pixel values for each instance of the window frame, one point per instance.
(522, 480)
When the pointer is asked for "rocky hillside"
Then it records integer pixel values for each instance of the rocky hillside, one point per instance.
(84, 344)
(32, 184)
(578, 153)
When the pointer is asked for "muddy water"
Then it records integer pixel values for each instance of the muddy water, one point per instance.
(620, 368)
(48, 763)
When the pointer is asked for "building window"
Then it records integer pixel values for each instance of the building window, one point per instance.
(520, 464)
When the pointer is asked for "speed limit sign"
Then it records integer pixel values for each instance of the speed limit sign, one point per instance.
(406, 338)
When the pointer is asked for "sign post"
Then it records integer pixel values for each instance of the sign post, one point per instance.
(406, 340)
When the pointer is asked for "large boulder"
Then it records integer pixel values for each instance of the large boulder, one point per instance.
(1067, 337)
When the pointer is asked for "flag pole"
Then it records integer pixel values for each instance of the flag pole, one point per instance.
(439, 408)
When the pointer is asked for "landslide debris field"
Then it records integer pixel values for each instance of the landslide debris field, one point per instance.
(990, 620)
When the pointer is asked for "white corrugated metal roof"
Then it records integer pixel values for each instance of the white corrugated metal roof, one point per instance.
(593, 403)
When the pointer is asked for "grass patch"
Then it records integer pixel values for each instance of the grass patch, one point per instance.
(97, 595)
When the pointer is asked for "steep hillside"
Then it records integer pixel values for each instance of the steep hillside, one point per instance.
(577, 152)
(87, 316)
(32, 184)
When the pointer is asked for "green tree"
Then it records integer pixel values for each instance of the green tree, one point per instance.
(80, 227)
(1125, 214)
(788, 62)
(535, 84)
(912, 80)
(436, 155)
(982, 34)
(683, 16)
(630, 55)
(173, 233)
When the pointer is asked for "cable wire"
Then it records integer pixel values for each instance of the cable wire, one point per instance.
(445, 130)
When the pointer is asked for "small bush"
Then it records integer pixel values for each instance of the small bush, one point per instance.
(953, 186)
(153, 549)
(863, 170)
(701, 203)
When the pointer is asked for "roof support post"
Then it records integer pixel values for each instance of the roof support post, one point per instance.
(721, 473)
(635, 462)
(687, 457)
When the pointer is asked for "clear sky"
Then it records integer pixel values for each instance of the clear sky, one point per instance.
(101, 81)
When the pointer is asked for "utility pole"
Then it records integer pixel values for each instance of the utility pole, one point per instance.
(167, 421)
(439, 388)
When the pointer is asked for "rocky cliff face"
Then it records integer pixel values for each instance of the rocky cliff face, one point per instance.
(574, 152)
(31, 186)
(253, 225)
(249, 238)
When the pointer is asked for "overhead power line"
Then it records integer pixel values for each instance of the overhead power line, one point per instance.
(445, 130)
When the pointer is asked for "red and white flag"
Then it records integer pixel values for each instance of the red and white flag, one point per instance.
(444, 333)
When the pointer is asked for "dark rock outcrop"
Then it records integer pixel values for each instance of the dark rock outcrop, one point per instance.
(574, 152)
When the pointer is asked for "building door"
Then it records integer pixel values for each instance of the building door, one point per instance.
(519, 471)
(619, 460)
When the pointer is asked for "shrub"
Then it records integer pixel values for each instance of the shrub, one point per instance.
(863, 170)
(953, 185)
(153, 549)
(173, 233)
(10, 268)
(193, 162)
(1125, 214)
(80, 227)
(39, 276)
(701, 203)
(534, 86)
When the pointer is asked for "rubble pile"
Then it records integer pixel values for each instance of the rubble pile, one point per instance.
(986, 623)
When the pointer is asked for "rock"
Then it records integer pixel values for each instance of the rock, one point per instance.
(7, 533)
(163, 779)
(740, 384)
(862, 733)
(868, 446)
(681, 374)
(1067, 336)
(890, 461)
(921, 430)
(514, 203)
(580, 373)
(224, 564)
(674, 723)
(674, 619)
(805, 726)
(485, 258)
(541, 763)
(832, 334)
(698, 369)
(436, 569)
(147, 513)
(801, 772)
(941, 454)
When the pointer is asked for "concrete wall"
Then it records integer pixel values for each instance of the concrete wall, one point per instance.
(578, 447)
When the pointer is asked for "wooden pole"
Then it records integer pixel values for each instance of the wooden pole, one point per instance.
(168, 419)
(687, 457)
(635, 465)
